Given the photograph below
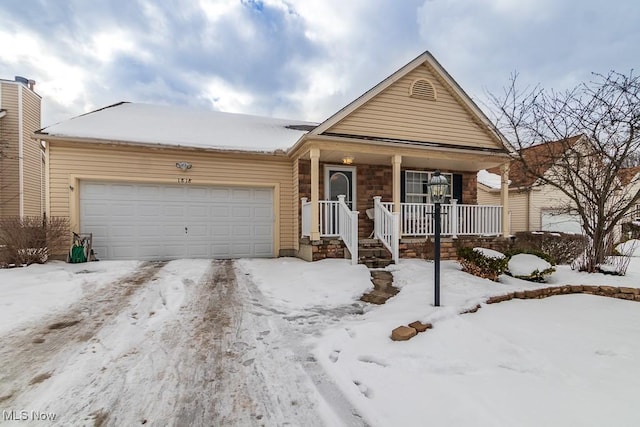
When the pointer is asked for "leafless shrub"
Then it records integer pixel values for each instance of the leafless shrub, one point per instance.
(618, 263)
(562, 247)
(29, 240)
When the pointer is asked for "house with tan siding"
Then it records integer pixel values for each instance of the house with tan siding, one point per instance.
(153, 182)
(533, 205)
(21, 156)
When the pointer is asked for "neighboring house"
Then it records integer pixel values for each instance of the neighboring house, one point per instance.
(630, 179)
(533, 205)
(21, 156)
(163, 182)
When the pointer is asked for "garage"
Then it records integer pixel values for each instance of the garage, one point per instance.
(152, 221)
(553, 220)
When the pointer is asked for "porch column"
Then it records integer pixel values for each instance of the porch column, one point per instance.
(396, 161)
(314, 154)
(504, 199)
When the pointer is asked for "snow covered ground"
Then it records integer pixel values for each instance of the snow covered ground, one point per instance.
(277, 341)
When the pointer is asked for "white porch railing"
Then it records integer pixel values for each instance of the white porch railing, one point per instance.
(387, 227)
(336, 220)
(417, 219)
(348, 228)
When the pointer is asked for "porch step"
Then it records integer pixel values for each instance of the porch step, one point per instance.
(373, 254)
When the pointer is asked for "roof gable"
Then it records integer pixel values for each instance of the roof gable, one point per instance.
(539, 158)
(627, 175)
(441, 113)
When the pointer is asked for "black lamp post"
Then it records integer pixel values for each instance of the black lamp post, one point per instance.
(438, 191)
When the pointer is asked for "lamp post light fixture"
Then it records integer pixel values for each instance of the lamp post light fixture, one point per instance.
(438, 186)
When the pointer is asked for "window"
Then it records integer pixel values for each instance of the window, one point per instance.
(416, 188)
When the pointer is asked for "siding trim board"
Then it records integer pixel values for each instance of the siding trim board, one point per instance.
(429, 144)
(20, 152)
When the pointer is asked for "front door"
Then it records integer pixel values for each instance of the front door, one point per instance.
(340, 180)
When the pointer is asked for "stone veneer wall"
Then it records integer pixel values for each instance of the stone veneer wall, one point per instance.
(423, 248)
(321, 249)
(373, 180)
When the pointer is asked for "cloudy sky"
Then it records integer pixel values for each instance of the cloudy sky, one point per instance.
(299, 59)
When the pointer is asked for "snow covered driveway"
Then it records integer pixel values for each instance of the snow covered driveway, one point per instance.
(189, 342)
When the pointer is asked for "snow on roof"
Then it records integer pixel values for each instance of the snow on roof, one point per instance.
(182, 126)
(489, 179)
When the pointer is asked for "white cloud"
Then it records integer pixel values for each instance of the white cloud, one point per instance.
(224, 97)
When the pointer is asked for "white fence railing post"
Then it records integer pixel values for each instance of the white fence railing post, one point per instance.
(453, 218)
(386, 227)
(347, 228)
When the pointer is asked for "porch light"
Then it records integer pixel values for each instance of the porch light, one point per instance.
(347, 160)
(183, 165)
(438, 187)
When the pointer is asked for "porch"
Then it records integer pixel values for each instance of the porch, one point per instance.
(391, 226)
(348, 192)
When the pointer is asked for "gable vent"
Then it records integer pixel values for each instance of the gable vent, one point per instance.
(422, 89)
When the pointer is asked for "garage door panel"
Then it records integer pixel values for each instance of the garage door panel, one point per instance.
(221, 250)
(263, 195)
(122, 231)
(241, 211)
(241, 195)
(171, 193)
(148, 210)
(262, 213)
(242, 248)
(220, 194)
(240, 231)
(147, 221)
(198, 251)
(220, 211)
(148, 192)
(195, 193)
(262, 249)
(264, 232)
(121, 210)
(124, 191)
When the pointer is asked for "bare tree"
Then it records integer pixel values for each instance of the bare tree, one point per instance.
(595, 129)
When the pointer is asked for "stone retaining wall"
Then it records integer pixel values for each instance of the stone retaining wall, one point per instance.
(422, 248)
(403, 333)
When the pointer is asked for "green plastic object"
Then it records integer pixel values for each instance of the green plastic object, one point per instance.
(77, 254)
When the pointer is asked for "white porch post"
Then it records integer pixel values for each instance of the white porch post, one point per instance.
(396, 161)
(314, 154)
(504, 199)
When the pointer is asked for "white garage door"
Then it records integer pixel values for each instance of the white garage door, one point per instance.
(561, 222)
(148, 222)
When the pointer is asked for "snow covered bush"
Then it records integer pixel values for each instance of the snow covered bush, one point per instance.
(482, 262)
(529, 266)
(563, 248)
